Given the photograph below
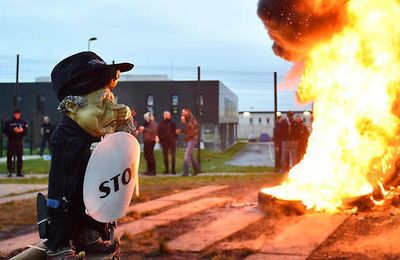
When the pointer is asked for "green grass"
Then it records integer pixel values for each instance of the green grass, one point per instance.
(211, 161)
(30, 166)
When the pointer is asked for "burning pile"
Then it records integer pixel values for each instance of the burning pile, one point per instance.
(351, 55)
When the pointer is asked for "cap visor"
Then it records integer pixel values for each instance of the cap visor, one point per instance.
(125, 66)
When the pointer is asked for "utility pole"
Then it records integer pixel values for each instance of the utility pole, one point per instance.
(275, 94)
(16, 83)
(277, 151)
(198, 115)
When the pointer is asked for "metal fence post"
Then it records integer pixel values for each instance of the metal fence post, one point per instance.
(198, 115)
(1, 137)
(31, 141)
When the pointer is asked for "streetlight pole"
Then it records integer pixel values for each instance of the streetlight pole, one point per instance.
(91, 39)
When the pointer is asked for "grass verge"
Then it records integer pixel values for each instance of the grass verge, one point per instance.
(211, 161)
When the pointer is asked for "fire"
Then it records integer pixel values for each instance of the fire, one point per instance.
(353, 78)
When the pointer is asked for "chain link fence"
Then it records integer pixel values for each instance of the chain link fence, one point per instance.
(255, 89)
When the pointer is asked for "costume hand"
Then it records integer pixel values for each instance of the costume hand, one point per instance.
(122, 111)
(141, 128)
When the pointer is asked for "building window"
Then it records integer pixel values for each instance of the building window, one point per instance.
(267, 120)
(175, 104)
(259, 120)
(41, 104)
(150, 103)
(201, 105)
(251, 120)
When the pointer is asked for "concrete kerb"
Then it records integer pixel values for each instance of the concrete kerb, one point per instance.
(24, 158)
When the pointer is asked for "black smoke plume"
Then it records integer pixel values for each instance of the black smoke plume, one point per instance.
(296, 26)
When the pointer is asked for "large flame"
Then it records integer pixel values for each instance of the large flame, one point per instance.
(354, 81)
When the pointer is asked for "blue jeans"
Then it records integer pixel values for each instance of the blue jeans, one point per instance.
(190, 158)
(289, 154)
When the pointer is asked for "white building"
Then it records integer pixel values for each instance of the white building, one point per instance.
(254, 123)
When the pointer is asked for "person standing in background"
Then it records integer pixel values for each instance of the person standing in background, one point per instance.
(302, 135)
(46, 130)
(167, 135)
(15, 129)
(290, 143)
(149, 131)
(191, 137)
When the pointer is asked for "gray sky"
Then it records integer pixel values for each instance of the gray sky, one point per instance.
(224, 37)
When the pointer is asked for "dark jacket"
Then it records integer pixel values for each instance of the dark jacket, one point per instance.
(150, 131)
(299, 132)
(9, 126)
(191, 129)
(282, 130)
(166, 131)
(47, 129)
(291, 130)
(70, 156)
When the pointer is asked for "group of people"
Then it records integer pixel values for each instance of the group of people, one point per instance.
(290, 139)
(15, 129)
(166, 134)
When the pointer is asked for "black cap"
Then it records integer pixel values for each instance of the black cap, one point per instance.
(83, 73)
(16, 110)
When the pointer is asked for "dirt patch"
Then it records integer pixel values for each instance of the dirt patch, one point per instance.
(372, 235)
(17, 217)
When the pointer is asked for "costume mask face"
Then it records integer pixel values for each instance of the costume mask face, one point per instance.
(101, 115)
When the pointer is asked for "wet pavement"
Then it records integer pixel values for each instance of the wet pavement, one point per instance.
(255, 154)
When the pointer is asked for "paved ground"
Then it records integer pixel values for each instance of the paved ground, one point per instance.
(204, 219)
(289, 243)
(16, 192)
(143, 224)
(15, 189)
(255, 154)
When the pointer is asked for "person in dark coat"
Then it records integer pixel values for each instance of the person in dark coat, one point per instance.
(290, 142)
(302, 135)
(278, 140)
(15, 129)
(167, 136)
(83, 84)
(149, 131)
(46, 130)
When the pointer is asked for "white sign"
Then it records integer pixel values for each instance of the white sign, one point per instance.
(111, 177)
